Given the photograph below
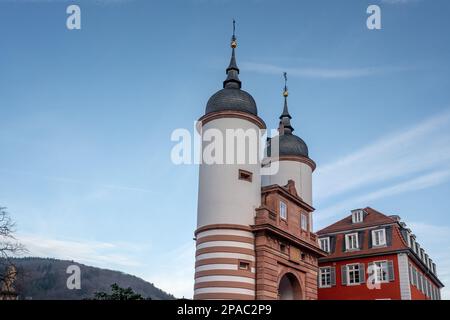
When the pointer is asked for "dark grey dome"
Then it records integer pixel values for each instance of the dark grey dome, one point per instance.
(231, 99)
(289, 145)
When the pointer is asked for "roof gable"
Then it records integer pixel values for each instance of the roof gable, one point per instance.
(372, 218)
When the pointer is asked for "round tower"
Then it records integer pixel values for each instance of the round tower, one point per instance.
(294, 162)
(228, 194)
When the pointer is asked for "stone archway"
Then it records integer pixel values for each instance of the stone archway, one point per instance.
(289, 288)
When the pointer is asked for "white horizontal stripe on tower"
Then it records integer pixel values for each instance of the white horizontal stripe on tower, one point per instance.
(236, 244)
(214, 255)
(225, 232)
(224, 290)
(216, 267)
(219, 266)
(225, 278)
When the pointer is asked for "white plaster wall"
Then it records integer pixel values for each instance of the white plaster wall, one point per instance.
(300, 172)
(403, 270)
(222, 197)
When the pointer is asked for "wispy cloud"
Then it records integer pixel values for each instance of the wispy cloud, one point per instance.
(175, 272)
(102, 2)
(76, 181)
(399, 1)
(321, 73)
(100, 254)
(425, 146)
(419, 183)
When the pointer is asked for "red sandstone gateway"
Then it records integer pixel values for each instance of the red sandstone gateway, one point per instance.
(374, 256)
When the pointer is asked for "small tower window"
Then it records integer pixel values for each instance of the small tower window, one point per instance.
(243, 265)
(245, 175)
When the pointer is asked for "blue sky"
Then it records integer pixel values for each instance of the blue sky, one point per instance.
(86, 118)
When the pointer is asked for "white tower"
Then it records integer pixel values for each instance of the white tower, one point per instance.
(227, 198)
(294, 162)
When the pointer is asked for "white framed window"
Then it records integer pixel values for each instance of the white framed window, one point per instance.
(414, 277)
(304, 222)
(378, 237)
(419, 282)
(325, 277)
(283, 210)
(351, 241)
(325, 244)
(357, 216)
(353, 274)
(382, 271)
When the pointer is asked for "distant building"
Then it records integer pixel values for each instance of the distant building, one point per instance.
(374, 256)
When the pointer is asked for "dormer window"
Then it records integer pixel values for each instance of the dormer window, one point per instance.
(378, 237)
(357, 216)
(325, 244)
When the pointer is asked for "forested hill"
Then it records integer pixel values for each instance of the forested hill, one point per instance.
(44, 278)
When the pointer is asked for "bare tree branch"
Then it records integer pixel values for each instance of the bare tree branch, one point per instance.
(9, 246)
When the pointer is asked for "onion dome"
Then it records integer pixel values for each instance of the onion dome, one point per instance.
(231, 97)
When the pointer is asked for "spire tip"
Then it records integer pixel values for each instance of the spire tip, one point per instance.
(285, 92)
(233, 38)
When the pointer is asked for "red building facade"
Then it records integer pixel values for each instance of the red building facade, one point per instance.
(374, 256)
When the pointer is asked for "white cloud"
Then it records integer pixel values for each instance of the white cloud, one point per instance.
(100, 254)
(398, 1)
(425, 146)
(419, 183)
(175, 271)
(321, 73)
(100, 188)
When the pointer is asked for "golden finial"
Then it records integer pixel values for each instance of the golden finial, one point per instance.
(233, 38)
(285, 92)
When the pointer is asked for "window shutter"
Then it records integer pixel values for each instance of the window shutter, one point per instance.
(362, 273)
(343, 242)
(410, 274)
(360, 239)
(389, 236)
(333, 276)
(370, 238)
(332, 244)
(391, 270)
(344, 275)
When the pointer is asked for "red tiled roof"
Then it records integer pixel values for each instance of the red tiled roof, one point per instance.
(372, 218)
